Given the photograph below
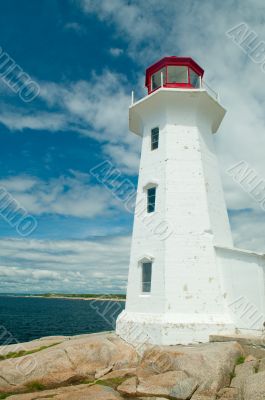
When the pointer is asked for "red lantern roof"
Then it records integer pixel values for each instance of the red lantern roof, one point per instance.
(180, 72)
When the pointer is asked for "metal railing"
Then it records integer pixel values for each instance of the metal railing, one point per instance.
(202, 85)
(211, 92)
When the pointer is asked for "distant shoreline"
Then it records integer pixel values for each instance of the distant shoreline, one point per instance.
(65, 297)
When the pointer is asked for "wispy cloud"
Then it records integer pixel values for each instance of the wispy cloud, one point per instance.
(131, 18)
(19, 119)
(97, 108)
(76, 27)
(116, 52)
(76, 266)
(71, 195)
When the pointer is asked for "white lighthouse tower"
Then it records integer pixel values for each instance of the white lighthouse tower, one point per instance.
(177, 288)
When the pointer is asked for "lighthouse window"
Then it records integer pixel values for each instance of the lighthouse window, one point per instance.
(146, 277)
(177, 74)
(194, 79)
(156, 78)
(151, 199)
(154, 138)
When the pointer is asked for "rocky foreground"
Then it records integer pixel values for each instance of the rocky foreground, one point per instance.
(104, 367)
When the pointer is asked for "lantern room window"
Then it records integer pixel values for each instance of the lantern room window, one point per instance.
(156, 78)
(177, 74)
(194, 79)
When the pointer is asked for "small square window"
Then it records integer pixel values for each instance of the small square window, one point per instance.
(146, 277)
(154, 138)
(151, 199)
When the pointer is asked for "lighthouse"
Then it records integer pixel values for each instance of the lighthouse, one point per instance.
(185, 276)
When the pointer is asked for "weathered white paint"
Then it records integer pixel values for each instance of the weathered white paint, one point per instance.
(189, 299)
(244, 282)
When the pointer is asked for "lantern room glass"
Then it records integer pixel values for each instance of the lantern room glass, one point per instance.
(156, 78)
(175, 75)
(194, 79)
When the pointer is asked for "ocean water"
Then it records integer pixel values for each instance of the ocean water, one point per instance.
(23, 319)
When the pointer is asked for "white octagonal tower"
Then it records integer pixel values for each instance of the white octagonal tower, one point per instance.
(175, 290)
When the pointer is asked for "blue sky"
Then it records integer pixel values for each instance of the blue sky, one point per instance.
(57, 46)
(86, 57)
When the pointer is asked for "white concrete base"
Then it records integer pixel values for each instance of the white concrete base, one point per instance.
(171, 329)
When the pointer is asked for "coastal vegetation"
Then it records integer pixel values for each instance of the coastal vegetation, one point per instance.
(82, 296)
(22, 353)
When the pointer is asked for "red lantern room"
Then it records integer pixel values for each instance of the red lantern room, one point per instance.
(174, 72)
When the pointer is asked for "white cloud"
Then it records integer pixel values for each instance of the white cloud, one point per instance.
(121, 155)
(71, 196)
(18, 183)
(76, 27)
(115, 51)
(20, 119)
(71, 266)
(131, 19)
(248, 229)
(29, 274)
(97, 108)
